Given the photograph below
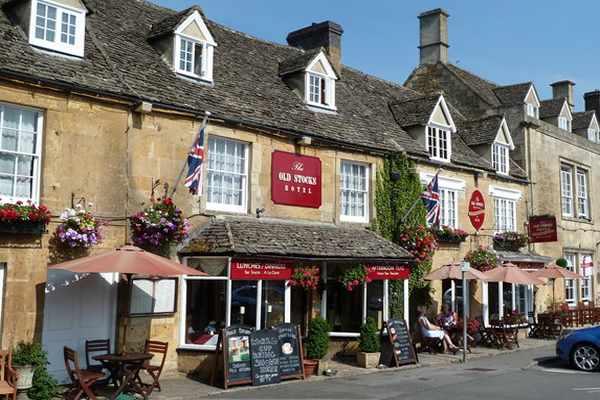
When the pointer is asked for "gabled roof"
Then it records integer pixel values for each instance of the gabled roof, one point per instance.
(172, 22)
(481, 130)
(583, 120)
(270, 237)
(299, 62)
(551, 108)
(513, 94)
(416, 110)
(484, 88)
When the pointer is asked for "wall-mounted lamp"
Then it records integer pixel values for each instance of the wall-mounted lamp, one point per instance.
(303, 140)
(143, 107)
(259, 211)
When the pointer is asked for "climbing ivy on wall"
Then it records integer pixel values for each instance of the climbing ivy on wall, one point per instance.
(397, 190)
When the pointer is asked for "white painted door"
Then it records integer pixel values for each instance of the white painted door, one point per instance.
(78, 307)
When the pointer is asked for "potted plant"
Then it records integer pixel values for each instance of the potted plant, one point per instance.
(353, 277)
(23, 217)
(368, 344)
(317, 345)
(29, 361)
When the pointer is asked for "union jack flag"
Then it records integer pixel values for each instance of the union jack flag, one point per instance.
(431, 198)
(193, 180)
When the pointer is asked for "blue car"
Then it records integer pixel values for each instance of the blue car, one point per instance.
(581, 348)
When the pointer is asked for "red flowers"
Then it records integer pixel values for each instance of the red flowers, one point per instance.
(24, 212)
(420, 241)
(305, 277)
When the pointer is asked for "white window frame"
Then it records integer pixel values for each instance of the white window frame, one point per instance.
(320, 90)
(449, 194)
(593, 135)
(533, 111)
(205, 60)
(438, 142)
(585, 284)
(214, 173)
(566, 189)
(36, 155)
(571, 284)
(574, 187)
(57, 44)
(505, 208)
(564, 123)
(582, 193)
(500, 158)
(357, 194)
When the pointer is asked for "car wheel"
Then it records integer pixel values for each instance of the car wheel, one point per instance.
(585, 357)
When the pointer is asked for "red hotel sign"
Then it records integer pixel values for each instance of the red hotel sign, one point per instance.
(261, 269)
(295, 179)
(477, 209)
(388, 271)
(543, 229)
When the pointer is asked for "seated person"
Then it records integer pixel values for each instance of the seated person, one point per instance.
(433, 331)
(447, 317)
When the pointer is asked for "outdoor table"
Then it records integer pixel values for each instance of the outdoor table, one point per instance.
(124, 368)
(456, 334)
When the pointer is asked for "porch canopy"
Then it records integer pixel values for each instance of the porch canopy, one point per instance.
(264, 237)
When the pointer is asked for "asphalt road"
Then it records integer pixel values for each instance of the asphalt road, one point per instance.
(531, 375)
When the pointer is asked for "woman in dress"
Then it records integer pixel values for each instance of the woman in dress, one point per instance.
(433, 331)
(447, 317)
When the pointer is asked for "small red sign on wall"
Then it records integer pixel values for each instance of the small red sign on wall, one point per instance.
(261, 270)
(543, 229)
(477, 209)
(295, 179)
(388, 271)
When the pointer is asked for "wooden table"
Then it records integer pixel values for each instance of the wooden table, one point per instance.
(124, 368)
(456, 335)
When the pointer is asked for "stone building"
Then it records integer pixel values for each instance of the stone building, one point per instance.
(556, 147)
(104, 110)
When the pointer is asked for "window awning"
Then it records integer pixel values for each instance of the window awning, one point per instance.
(251, 237)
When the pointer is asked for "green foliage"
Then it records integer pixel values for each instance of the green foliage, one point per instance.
(317, 340)
(368, 340)
(393, 200)
(44, 387)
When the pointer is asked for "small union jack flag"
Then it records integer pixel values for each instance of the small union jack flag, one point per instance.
(431, 198)
(193, 180)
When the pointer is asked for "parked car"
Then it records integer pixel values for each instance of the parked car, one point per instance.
(581, 348)
(246, 296)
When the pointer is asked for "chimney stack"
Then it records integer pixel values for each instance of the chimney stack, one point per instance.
(325, 34)
(564, 90)
(434, 36)
(592, 101)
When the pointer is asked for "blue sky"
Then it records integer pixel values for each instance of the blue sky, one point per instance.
(506, 42)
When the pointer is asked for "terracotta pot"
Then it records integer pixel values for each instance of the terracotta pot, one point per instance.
(309, 367)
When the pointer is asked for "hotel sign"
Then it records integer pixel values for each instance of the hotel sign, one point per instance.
(295, 179)
(477, 209)
(388, 271)
(261, 270)
(543, 229)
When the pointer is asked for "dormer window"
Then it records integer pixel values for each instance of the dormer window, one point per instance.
(594, 135)
(438, 143)
(438, 131)
(320, 90)
(57, 27)
(533, 110)
(564, 123)
(192, 59)
(500, 158)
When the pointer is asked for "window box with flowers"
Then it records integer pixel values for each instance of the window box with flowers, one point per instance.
(161, 223)
(481, 259)
(450, 235)
(79, 228)
(419, 240)
(355, 276)
(23, 217)
(511, 240)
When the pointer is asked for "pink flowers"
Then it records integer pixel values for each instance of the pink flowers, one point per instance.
(305, 277)
(353, 277)
(419, 241)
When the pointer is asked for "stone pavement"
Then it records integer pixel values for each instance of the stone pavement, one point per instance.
(178, 386)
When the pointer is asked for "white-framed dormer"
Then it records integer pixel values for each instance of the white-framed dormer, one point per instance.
(58, 25)
(532, 103)
(565, 117)
(501, 146)
(319, 83)
(193, 49)
(438, 132)
(593, 130)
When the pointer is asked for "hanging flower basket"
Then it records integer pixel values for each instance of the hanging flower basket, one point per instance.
(23, 217)
(419, 240)
(306, 278)
(79, 229)
(353, 277)
(510, 240)
(161, 223)
(481, 259)
(450, 235)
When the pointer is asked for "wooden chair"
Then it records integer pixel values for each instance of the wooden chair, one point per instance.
(8, 377)
(507, 335)
(159, 349)
(486, 334)
(96, 347)
(82, 379)
(432, 344)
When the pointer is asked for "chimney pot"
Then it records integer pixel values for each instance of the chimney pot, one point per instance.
(325, 34)
(564, 90)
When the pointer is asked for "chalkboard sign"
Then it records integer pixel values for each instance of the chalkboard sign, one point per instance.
(265, 351)
(396, 344)
(290, 360)
(234, 346)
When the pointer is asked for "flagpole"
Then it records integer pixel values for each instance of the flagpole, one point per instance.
(204, 121)
(416, 201)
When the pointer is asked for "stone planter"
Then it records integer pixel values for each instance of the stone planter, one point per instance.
(25, 375)
(28, 227)
(367, 360)
(322, 365)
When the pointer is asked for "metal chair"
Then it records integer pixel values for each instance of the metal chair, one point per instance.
(82, 379)
(8, 377)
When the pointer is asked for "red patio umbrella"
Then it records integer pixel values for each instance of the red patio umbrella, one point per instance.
(554, 271)
(127, 260)
(454, 271)
(510, 273)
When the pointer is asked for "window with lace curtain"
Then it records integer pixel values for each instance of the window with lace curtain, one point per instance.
(226, 175)
(354, 193)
